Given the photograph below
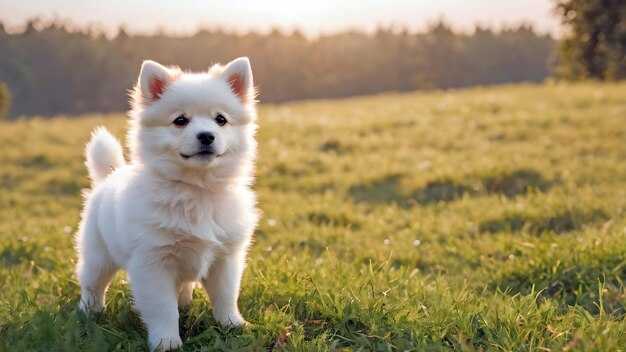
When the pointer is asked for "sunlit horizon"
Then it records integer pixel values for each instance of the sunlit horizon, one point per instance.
(311, 18)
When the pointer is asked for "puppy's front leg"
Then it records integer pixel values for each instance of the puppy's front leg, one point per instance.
(155, 295)
(222, 285)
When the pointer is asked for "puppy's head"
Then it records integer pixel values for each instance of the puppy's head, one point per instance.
(194, 127)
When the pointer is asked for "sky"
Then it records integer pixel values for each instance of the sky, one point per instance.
(312, 17)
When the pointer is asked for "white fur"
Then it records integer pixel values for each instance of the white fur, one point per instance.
(104, 153)
(167, 220)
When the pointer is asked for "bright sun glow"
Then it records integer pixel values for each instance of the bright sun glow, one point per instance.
(313, 17)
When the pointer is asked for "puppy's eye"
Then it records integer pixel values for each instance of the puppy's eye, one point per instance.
(220, 120)
(181, 121)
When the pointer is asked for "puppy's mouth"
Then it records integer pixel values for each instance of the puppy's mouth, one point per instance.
(203, 154)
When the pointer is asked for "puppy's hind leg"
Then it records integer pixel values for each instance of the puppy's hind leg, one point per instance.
(186, 294)
(95, 268)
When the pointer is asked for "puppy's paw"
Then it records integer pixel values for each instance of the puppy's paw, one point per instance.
(89, 306)
(166, 343)
(232, 319)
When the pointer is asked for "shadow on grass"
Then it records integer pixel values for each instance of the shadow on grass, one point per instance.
(560, 222)
(515, 183)
(444, 190)
(38, 162)
(64, 188)
(63, 327)
(25, 252)
(508, 184)
(332, 219)
(17, 253)
(334, 146)
(384, 190)
(592, 283)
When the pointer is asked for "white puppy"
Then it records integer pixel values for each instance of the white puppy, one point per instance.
(182, 211)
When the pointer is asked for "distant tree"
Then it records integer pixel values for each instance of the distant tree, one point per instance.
(595, 43)
(5, 100)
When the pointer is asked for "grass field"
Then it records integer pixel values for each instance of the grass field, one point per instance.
(481, 219)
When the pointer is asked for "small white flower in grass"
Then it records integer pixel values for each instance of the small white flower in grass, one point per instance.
(271, 222)
(417, 243)
(67, 229)
(511, 257)
(387, 241)
(269, 248)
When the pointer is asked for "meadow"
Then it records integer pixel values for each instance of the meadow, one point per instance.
(478, 219)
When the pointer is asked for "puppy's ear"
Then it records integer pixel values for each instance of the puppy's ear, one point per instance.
(238, 74)
(154, 79)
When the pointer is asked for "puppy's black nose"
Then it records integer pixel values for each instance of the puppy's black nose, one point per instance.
(206, 138)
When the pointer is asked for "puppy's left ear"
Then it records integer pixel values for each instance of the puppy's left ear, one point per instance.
(238, 74)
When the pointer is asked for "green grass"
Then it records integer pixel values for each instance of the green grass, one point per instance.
(481, 219)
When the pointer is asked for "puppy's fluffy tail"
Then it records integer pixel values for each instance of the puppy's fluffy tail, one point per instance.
(104, 154)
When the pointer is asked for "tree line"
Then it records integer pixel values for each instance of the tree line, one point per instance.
(52, 69)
